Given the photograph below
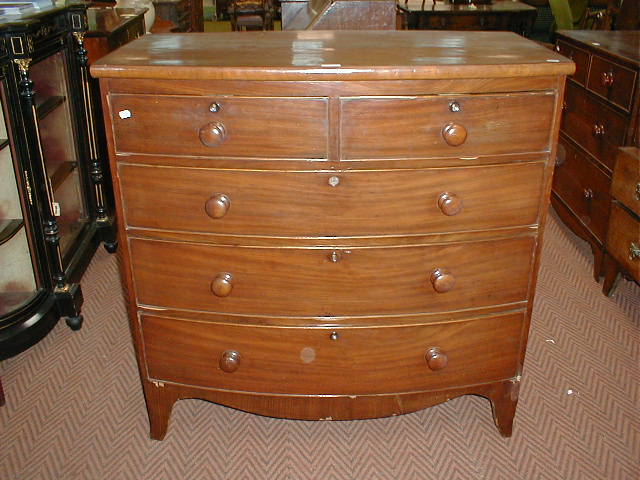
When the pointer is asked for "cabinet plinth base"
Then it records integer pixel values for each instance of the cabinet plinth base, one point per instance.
(160, 398)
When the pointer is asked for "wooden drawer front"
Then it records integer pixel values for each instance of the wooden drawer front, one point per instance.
(626, 178)
(593, 125)
(580, 58)
(326, 282)
(623, 239)
(309, 361)
(305, 203)
(612, 81)
(464, 22)
(421, 127)
(242, 126)
(583, 187)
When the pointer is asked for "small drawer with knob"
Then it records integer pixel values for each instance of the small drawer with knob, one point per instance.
(222, 126)
(325, 361)
(328, 282)
(590, 122)
(579, 56)
(441, 126)
(612, 81)
(323, 204)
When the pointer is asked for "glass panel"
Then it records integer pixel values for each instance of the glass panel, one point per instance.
(59, 147)
(17, 277)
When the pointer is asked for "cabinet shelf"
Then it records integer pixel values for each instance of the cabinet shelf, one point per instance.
(49, 105)
(8, 228)
(61, 174)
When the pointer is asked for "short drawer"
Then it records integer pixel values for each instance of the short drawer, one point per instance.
(592, 124)
(623, 239)
(626, 178)
(612, 81)
(583, 187)
(327, 360)
(220, 126)
(580, 58)
(331, 282)
(443, 126)
(331, 203)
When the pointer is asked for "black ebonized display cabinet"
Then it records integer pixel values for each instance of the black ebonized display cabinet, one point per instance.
(54, 194)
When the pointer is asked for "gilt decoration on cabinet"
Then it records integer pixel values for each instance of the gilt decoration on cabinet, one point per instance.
(46, 154)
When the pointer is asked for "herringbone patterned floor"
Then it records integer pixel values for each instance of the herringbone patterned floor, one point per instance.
(75, 408)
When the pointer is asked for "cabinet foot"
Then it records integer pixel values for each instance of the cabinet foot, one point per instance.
(111, 247)
(160, 400)
(75, 323)
(611, 275)
(504, 398)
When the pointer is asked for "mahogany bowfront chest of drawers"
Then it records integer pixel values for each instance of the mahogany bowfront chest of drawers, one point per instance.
(314, 228)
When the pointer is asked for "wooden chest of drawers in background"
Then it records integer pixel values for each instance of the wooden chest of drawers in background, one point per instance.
(600, 115)
(623, 236)
(315, 229)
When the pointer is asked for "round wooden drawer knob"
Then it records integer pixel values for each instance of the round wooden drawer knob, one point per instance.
(449, 203)
(442, 280)
(454, 134)
(222, 285)
(230, 361)
(213, 134)
(217, 206)
(436, 359)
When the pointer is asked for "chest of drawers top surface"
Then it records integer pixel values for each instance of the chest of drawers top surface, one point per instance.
(623, 44)
(332, 55)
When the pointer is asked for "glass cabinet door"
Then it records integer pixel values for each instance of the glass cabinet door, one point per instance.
(18, 282)
(59, 148)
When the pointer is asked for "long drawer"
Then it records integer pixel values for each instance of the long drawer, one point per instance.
(327, 360)
(331, 204)
(591, 123)
(331, 282)
(445, 126)
(583, 187)
(220, 126)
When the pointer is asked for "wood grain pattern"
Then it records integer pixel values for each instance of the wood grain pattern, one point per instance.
(599, 129)
(319, 285)
(626, 178)
(285, 203)
(364, 281)
(584, 188)
(601, 113)
(276, 127)
(612, 81)
(413, 126)
(579, 56)
(339, 55)
(308, 362)
(623, 234)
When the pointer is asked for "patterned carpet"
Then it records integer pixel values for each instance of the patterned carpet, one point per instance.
(75, 408)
